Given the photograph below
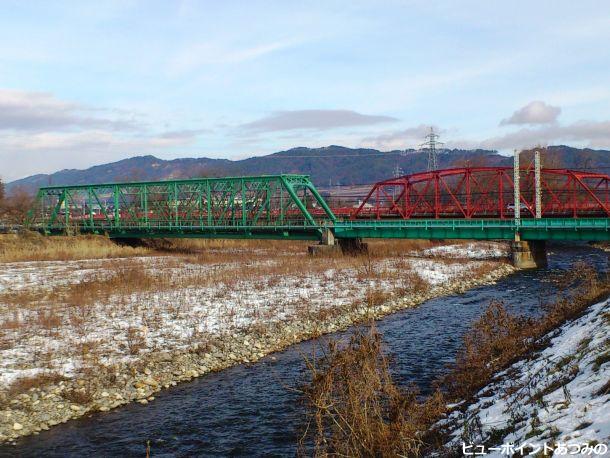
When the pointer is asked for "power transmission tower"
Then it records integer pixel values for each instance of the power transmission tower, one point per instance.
(397, 172)
(430, 145)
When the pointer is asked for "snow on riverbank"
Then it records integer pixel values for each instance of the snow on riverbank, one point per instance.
(193, 302)
(85, 336)
(560, 396)
(474, 250)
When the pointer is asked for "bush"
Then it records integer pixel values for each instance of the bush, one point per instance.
(497, 338)
(355, 409)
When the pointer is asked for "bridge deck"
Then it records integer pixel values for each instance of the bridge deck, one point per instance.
(591, 229)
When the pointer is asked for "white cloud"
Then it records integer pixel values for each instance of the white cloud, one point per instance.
(200, 54)
(94, 140)
(47, 152)
(183, 134)
(39, 111)
(536, 112)
(313, 120)
(410, 137)
(40, 132)
(592, 134)
(595, 134)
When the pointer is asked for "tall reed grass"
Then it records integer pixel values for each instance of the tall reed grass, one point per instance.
(31, 246)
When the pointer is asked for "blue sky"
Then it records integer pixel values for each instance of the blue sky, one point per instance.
(83, 83)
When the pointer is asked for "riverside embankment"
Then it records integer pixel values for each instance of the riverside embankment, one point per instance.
(250, 410)
(555, 397)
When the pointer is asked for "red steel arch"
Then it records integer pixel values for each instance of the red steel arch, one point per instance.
(486, 192)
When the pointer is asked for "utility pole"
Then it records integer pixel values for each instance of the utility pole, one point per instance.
(527, 254)
(517, 194)
(430, 146)
(537, 181)
(398, 172)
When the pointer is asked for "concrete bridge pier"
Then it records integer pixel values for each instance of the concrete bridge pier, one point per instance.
(329, 243)
(353, 247)
(528, 254)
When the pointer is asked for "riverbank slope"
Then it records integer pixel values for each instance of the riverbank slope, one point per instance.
(557, 396)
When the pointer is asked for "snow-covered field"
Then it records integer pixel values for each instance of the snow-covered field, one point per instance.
(65, 317)
(559, 397)
(473, 250)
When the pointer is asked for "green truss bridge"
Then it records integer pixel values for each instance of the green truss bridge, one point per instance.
(270, 207)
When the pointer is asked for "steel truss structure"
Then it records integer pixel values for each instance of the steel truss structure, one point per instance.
(472, 203)
(487, 192)
(263, 206)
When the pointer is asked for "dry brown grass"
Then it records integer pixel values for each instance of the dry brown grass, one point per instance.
(356, 409)
(194, 246)
(23, 384)
(121, 278)
(498, 338)
(31, 246)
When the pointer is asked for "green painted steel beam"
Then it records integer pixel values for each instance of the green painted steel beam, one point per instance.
(305, 178)
(543, 229)
(271, 233)
(591, 229)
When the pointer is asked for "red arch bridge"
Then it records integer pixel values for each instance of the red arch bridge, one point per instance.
(467, 203)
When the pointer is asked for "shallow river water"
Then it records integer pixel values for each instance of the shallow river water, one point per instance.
(251, 410)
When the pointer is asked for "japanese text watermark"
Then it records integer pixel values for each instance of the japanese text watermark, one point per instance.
(534, 448)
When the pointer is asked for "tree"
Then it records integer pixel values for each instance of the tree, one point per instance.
(203, 171)
(474, 161)
(1, 198)
(15, 207)
(549, 159)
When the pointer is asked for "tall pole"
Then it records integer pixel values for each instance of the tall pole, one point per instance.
(517, 194)
(538, 184)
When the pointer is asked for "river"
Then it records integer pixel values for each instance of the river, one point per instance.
(252, 410)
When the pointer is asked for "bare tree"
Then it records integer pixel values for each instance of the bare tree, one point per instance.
(14, 207)
(475, 161)
(205, 172)
(549, 159)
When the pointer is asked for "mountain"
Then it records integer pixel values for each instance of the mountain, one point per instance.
(328, 165)
(138, 168)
